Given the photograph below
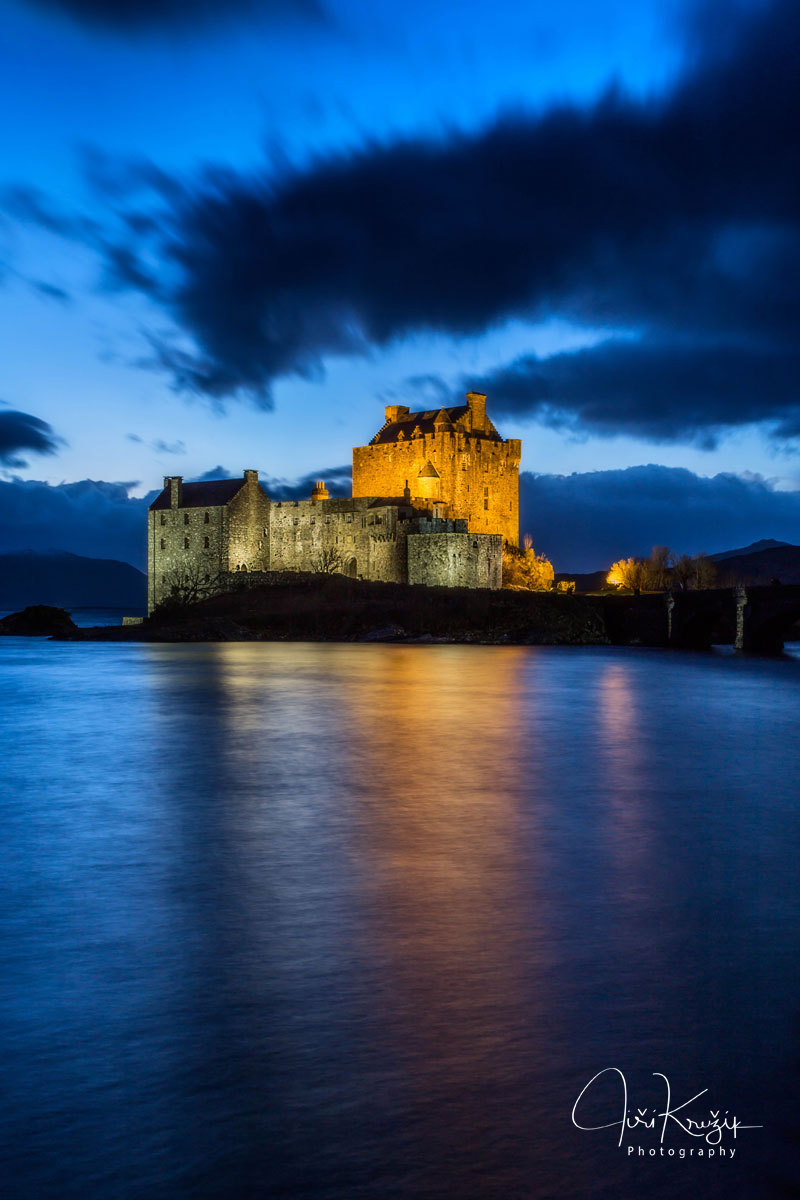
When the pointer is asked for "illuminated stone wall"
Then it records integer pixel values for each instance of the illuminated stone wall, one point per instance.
(455, 560)
(193, 544)
(364, 539)
(248, 527)
(475, 474)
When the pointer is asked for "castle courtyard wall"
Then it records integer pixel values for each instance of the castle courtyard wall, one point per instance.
(455, 560)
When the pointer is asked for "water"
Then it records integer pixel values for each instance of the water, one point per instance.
(362, 921)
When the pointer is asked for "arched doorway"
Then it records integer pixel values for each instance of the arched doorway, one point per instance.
(352, 569)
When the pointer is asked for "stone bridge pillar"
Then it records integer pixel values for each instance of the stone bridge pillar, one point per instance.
(740, 598)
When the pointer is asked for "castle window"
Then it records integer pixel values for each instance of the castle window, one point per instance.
(313, 520)
(206, 519)
(474, 545)
(163, 543)
(486, 491)
(186, 543)
(349, 518)
(296, 521)
(186, 518)
(327, 520)
(163, 518)
(206, 543)
(486, 504)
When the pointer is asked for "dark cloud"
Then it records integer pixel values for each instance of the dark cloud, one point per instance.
(338, 480)
(132, 16)
(91, 517)
(675, 218)
(218, 472)
(102, 520)
(22, 432)
(662, 391)
(584, 522)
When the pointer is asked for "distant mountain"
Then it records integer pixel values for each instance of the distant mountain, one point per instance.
(760, 563)
(69, 581)
(753, 548)
(779, 561)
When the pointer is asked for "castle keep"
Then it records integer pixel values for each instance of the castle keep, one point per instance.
(435, 495)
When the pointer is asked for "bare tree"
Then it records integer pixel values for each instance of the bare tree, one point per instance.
(705, 572)
(187, 585)
(682, 572)
(328, 561)
(658, 569)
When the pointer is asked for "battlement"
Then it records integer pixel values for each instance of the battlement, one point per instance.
(451, 456)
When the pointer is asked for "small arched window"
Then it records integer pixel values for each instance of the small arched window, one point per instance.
(206, 543)
(206, 519)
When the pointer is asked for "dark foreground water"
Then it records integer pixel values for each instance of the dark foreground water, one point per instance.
(320, 921)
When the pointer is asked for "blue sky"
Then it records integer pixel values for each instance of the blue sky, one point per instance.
(275, 94)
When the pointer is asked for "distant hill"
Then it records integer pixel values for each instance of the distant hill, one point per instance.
(760, 563)
(69, 581)
(753, 548)
(779, 561)
(591, 581)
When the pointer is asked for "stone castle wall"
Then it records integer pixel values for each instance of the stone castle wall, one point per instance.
(249, 527)
(192, 546)
(455, 560)
(477, 474)
(361, 541)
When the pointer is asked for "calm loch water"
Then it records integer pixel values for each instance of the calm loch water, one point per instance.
(343, 922)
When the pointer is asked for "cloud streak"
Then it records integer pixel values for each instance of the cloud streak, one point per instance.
(675, 219)
(21, 432)
(186, 16)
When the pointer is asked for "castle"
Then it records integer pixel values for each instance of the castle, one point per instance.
(435, 495)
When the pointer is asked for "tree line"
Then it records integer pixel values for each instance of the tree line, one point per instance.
(664, 570)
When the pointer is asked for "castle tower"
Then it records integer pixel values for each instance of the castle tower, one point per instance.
(453, 456)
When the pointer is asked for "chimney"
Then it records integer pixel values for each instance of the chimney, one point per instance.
(395, 411)
(319, 492)
(251, 476)
(175, 485)
(476, 402)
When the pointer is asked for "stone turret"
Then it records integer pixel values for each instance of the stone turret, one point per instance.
(319, 492)
(476, 470)
(476, 402)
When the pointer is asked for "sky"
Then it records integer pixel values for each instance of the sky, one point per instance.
(231, 233)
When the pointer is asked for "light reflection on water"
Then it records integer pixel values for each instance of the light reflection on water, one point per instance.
(361, 921)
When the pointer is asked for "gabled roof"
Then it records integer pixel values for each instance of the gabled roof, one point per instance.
(211, 493)
(429, 471)
(426, 423)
